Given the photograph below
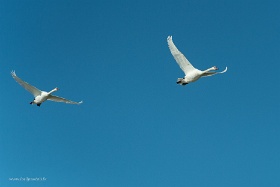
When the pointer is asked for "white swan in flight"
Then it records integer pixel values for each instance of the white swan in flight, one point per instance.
(41, 96)
(191, 73)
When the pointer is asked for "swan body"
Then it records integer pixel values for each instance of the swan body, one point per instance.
(41, 96)
(191, 73)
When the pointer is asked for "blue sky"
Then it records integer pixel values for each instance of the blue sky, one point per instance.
(136, 127)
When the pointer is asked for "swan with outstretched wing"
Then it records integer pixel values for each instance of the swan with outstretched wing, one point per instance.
(41, 96)
(191, 73)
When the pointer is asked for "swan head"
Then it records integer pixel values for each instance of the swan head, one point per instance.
(215, 68)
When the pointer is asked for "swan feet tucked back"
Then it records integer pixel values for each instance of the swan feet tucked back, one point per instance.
(181, 81)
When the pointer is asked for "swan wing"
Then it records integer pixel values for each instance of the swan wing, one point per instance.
(60, 99)
(213, 73)
(182, 61)
(35, 91)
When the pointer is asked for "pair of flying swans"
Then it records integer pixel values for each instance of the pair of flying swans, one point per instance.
(41, 96)
(191, 73)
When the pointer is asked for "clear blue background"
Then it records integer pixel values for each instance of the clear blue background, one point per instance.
(136, 127)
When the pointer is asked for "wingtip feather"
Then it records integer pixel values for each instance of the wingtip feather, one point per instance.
(225, 70)
(169, 38)
(13, 72)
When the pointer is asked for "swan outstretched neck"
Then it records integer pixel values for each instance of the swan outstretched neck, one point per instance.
(53, 90)
(211, 69)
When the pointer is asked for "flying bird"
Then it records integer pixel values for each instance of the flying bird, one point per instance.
(191, 73)
(41, 96)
